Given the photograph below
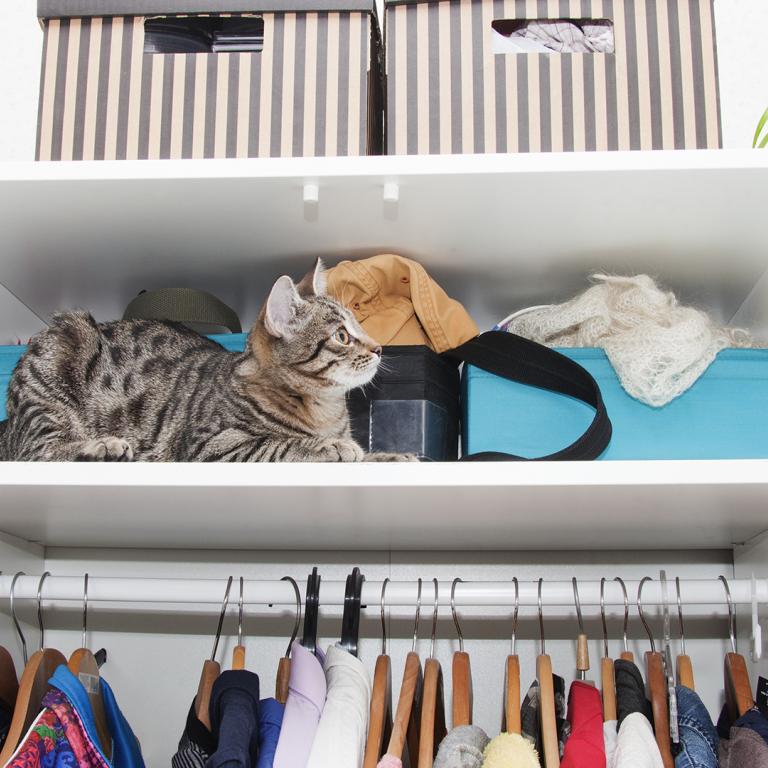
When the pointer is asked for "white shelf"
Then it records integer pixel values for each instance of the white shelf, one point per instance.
(499, 231)
(599, 505)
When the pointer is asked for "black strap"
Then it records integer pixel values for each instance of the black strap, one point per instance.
(518, 359)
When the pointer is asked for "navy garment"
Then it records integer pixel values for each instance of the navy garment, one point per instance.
(754, 720)
(699, 742)
(234, 713)
(270, 721)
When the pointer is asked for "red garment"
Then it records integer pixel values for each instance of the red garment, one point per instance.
(585, 747)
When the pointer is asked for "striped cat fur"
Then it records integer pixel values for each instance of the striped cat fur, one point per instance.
(145, 390)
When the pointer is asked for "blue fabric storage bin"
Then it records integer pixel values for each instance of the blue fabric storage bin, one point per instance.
(9, 356)
(723, 416)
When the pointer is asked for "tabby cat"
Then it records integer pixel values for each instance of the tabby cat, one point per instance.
(145, 390)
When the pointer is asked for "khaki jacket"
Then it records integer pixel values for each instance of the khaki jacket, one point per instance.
(397, 302)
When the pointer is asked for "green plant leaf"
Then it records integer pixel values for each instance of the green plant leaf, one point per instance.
(764, 143)
(760, 126)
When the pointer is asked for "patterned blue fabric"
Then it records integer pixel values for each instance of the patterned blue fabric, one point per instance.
(698, 737)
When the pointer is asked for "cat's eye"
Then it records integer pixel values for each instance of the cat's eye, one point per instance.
(341, 336)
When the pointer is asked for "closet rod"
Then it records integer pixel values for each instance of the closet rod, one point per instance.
(399, 593)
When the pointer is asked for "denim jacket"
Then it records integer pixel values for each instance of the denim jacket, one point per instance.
(698, 737)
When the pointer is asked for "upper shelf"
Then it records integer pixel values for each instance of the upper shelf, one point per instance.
(499, 231)
(570, 505)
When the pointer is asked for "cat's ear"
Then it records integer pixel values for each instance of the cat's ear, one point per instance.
(280, 314)
(314, 282)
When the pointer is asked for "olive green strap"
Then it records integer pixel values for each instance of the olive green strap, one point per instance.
(184, 305)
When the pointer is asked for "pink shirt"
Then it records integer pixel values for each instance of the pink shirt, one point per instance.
(306, 698)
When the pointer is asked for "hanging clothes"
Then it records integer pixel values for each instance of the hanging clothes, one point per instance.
(636, 745)
(510, 749)
(698, 737)
(745, 747)
(65, 732)
(529, 715)
(197, 743)
(306, 698)
(610, 737)
(340, 738)
(271, 713)
(234, 713)
(755, 721)
(585, 747)
(463, 747)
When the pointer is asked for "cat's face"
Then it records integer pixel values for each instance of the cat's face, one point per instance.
(316, 340)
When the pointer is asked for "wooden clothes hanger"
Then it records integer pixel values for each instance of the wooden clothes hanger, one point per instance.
(461, 673)
(582, 643)
(432, 729)
(510, 717)
(407, 719)
(284, 665)
(607, 674)
(238, 653)
(211, 670)
(657, 687)
(684, 665)
(33, 685)
(380, 719)
(626, 654)
(738, 689)
(547, 716)
(83, 665)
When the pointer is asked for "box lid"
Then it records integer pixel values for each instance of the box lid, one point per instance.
(71, 8)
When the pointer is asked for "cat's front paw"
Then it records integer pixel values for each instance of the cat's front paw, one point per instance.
(391, 457)
(342, 450)
(106, 449)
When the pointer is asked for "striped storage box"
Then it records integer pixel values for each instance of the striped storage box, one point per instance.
(313, 89)
(447, 91)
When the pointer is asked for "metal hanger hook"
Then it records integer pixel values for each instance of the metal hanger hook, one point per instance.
(434, 620)
(680, 615)
(240, 614)
(578, 604)
(221, 619)
(40, 608)
(541, 620)
(418, 616)
(602, 617)
(514, 616)
(383, 617)
(455, 615)
(15, 619)
(731, 617)
(297, 623)
(626, 611)
(85, 609)
(640, 611)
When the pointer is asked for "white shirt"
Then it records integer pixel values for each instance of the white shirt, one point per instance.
(610, 736)
(636, 746)
(340, 738)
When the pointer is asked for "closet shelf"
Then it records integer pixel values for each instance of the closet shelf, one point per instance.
(600, 505)
(498, 231)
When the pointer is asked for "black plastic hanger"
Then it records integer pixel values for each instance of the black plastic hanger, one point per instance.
(311, 609)
(350, 621)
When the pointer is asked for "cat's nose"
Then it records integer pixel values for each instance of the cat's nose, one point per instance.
(377, 351)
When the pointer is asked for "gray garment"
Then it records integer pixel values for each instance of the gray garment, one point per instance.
(462, 748)
(745, 749)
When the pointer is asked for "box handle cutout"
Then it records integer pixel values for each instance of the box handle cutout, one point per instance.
(552, 36)
(204, 34)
